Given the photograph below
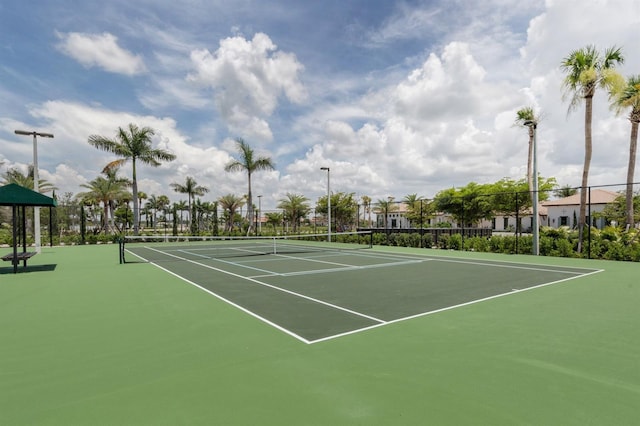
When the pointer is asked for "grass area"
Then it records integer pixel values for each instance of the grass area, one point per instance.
(95, 342)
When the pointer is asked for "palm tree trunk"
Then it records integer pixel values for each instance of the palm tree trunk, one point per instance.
(136, 219)
(250, 204)
(105, 222)
(588, 149)
(633, 143)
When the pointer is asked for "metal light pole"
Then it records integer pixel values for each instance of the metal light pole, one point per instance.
(536, 238)
(36, 210)
(260, 214)
(328, 201)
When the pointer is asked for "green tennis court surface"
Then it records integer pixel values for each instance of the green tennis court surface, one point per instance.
(330, 292)
(85, 340)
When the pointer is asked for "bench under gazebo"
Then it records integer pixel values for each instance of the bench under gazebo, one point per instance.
(19, 197)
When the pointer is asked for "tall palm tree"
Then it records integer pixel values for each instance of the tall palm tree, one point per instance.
(191, 188)
(181, 206)
(624, 97)
(132, 144)
(296, 207)
(528, 115)
(247, 162)
(413, 203)
(230, 203)
(586, 70)
(104, 190)
(141, 197)
(163, 206)
(385, 207)
(366, 203)
(153, 205)
(14, 175)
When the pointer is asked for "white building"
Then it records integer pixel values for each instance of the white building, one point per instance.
(553, 213)
(507, 223)
(566, 211)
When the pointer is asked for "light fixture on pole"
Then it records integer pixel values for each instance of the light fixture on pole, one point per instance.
(532, 124)
(328, 202)
(36, 210)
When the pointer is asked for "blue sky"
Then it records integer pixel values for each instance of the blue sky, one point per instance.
(397, 97)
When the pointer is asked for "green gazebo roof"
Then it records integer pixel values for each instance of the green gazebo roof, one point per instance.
(16, 195)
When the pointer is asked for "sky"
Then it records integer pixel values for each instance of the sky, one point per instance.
(395, 97)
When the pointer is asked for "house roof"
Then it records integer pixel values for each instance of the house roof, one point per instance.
(542, 210)
(16, 195)
(598, 196)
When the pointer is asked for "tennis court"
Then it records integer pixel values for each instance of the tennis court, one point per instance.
(316, 291)
(86, 340)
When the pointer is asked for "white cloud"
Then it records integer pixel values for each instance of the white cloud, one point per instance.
(73, 123)
(439, 113)
(248, 77)
(439, 127)
(406, 23)
(102, 51)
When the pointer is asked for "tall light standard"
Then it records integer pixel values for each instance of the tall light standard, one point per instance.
(536, 238)
(36, 210)
(328, 202)
(260, 214)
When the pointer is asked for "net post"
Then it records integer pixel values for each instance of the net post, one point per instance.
(121, 249)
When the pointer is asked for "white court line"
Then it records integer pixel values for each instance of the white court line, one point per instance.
(380, 322)
(515, 266)
(282, 257)
(351, 268)
(448, 308)
(293, 293)
(486, 262)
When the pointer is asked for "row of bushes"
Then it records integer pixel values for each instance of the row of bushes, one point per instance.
(68, 240)
(610, 243)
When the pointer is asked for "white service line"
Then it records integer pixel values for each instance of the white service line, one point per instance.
(293, 293)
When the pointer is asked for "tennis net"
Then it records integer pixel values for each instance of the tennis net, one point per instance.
(159, 248)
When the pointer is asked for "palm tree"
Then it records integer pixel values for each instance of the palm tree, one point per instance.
(181, 206)
(586, 70)
(274, 219)
(105, 191)
(366, 203)
(385, 207)
(132, 144)
(230, 204)
(565, 191)
(141, 196)
(248, 163)
(14, 175)
(296, 208)
(153, 205)
(628, 96)
(163, 205)
(191, 188)
(414, 204)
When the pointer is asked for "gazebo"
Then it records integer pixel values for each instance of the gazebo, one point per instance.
(18, 196)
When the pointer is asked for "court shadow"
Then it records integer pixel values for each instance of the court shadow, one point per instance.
(28, 269)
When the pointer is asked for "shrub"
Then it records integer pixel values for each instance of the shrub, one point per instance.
(455, 242)
(564, 248)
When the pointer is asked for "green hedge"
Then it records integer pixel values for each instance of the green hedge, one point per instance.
(610, 243)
